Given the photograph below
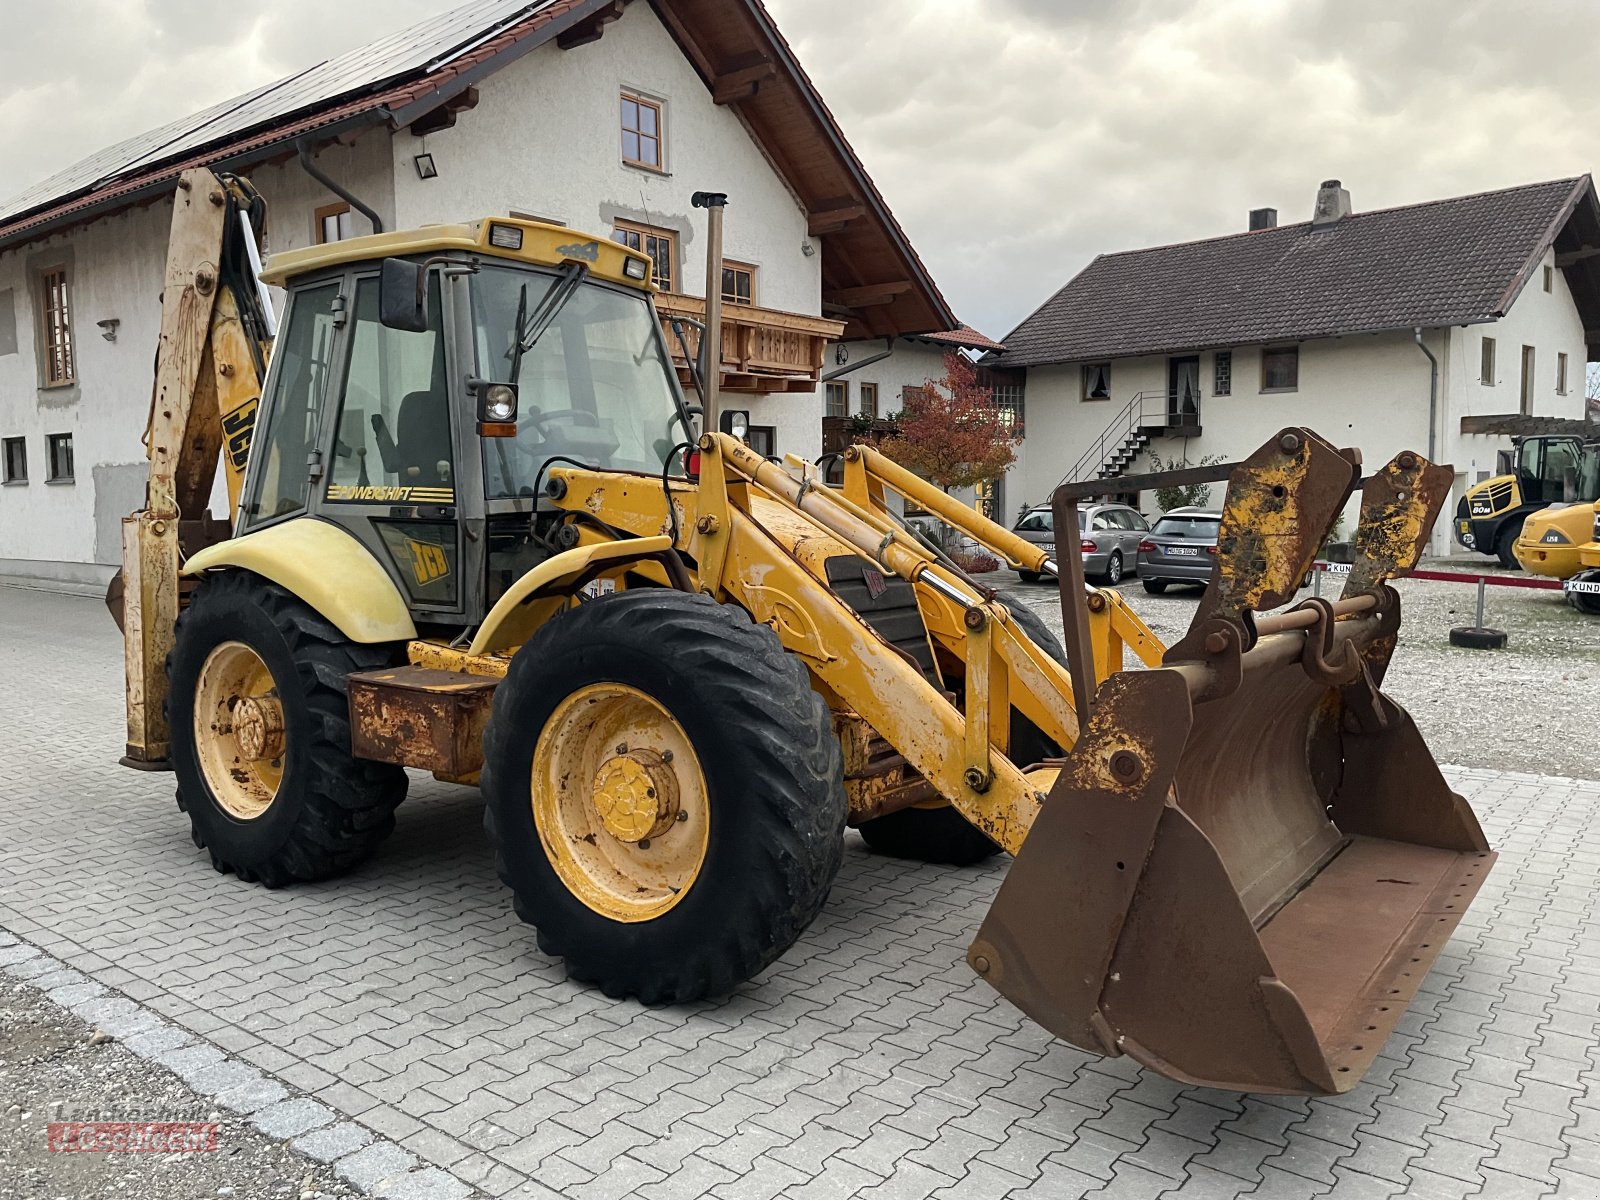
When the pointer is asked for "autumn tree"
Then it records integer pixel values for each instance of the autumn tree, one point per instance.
(950, 431)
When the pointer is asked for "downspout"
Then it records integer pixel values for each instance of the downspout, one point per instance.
(1433, 396)
(303, 146)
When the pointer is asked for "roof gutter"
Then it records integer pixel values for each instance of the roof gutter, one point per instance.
(160, 183)
(303, 150)
(1433, 395)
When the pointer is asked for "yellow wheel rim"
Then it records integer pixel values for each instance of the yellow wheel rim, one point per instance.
(238, 730)
(620, 802)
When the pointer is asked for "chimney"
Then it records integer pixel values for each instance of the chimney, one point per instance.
(1333, 204)
(1263, 218)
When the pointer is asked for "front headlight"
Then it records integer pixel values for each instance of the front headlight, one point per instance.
(736, 423)
(500, 403)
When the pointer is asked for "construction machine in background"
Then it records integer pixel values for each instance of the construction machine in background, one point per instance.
(480, 534)
(1582, 588)
(1541, 470)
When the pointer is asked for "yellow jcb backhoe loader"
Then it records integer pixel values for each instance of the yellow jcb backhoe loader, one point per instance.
(480, 535)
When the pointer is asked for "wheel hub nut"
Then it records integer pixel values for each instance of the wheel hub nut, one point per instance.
(636, 796)
(258, 728)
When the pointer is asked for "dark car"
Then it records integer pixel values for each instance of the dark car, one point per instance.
(1180, 548)
(1107, 533)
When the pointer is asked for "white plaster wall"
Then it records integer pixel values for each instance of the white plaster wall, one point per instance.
(365, 168)
(116, 274)
(545, 139)
(1368, 391)
(1547, 321)
(911, 364)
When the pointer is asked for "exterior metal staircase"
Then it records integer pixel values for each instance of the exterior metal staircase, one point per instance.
(1145, 417)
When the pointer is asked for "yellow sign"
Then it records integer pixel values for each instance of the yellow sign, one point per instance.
(390, 494)
(428, 561)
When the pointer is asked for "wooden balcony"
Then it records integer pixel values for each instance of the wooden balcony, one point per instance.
(763, 350)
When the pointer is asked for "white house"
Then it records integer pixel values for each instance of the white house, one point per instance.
(606, 115)
(1390, 330)
(868, 381)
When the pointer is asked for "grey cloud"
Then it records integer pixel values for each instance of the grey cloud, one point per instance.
(1014, 139)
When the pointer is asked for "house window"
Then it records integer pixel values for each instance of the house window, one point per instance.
(738, 282)
(1527, 379)
(16, 460)
(1280, 368)
(836, 401)
(1222, 374)
(58, 457)
(333, 223)
(659, 245)
(1486, 363)
(869, 400)
(1549, 279)
(1008, 398)
(1097, 381)
(1561, 374)
(57, 350)
(641, 132)
(763, 439)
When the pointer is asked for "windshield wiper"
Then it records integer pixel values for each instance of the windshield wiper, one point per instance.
(550, 307)
(514, 351)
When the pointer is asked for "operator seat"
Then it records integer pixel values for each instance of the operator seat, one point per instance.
(422, 440)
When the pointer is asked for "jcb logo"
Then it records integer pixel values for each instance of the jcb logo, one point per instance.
(428, 562)
(237, 427)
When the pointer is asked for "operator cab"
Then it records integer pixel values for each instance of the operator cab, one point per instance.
(424, 382)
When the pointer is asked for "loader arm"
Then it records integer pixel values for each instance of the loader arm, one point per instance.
(764, 539)
(215, 339)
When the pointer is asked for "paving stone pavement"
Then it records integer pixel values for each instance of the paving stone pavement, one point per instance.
(402, 1020)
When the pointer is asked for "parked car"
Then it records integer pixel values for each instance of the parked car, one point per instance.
(1181, 548)
(1108, 533)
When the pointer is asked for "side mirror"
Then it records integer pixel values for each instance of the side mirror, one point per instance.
(403, 296)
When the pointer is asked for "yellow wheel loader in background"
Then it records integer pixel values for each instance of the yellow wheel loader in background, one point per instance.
(479, 534)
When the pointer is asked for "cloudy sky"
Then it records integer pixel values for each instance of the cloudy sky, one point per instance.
(1014, 139)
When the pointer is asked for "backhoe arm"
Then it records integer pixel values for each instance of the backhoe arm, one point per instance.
(215, 337)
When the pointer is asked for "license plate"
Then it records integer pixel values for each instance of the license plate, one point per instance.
(1192, 551)
(1588, 587)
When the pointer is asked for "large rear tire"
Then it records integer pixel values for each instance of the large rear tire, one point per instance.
(659, 709)
(260, 735)
(940, 834)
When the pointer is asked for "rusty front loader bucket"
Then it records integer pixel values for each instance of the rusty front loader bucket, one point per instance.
(1250, 859)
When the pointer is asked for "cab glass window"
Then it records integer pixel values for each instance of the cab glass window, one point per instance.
(302, 356)
(393, 440)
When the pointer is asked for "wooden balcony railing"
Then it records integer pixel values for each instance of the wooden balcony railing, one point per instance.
(763, 350)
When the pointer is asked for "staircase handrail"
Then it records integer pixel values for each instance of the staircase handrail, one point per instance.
(1132, 417)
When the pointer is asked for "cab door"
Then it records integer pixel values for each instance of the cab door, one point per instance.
(392, 450)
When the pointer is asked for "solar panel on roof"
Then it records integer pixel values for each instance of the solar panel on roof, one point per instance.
(425, 45)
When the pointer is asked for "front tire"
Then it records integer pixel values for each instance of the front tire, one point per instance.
(654, 697)
(1503, 547)
(1028, 576)
(260, 735)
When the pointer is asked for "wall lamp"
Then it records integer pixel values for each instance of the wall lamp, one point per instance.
(425, 167)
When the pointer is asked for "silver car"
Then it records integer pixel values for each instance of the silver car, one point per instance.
(1108, 533)
(1182, 548)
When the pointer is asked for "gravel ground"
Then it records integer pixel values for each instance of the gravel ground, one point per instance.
(54, 1068)
(1530, 707)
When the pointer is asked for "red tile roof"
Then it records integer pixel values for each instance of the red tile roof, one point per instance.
(966, 337)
